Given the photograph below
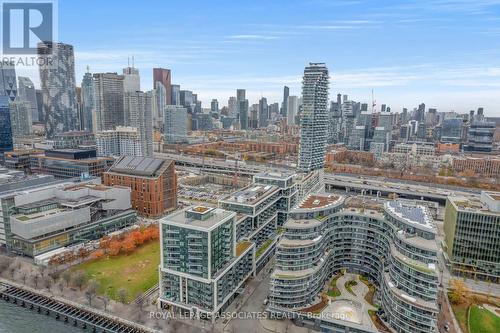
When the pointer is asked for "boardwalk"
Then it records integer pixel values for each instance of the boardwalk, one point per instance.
(74, 314)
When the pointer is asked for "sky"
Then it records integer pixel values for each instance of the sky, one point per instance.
(445, 53)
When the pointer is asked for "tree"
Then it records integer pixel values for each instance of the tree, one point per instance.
(98, 254)
(122, 295)
(459, 293)
(128, 245)
(79, 279)
(91, 290)
(114, 248)
(36, 279)
(66, 276)
(105, 302)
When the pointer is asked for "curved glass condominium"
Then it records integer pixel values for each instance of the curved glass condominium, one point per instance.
(393, 244)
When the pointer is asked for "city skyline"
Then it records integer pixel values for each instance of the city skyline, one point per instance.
(443, 53)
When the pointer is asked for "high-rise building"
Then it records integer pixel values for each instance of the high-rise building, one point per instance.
(313, 118)
(109, 101)
(232, 107)
(451, 130)
(243, 113)
(175, 124)
(263, 112)
(214, 106)
(8, 84)
(240, 94)
(471, 228)
(88, 104)
(20, 118)
(119, 142)
(163, 75)
(394, 245)
(176, 98)
(284, 105)
(57, 81)
(159, 101)
(202, 265)
(292, 108)
(131, 79)
(480, 136)
(27, 93)
(6, 142)
(138, 114)
(39, 106)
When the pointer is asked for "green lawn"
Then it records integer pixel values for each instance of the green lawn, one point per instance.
(483, 321)
(136, 272)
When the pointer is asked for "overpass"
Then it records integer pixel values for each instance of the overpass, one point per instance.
(333, 182)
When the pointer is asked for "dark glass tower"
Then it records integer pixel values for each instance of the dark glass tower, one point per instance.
(6, 143)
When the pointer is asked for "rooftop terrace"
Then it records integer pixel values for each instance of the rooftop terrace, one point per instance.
(319, 201)
(251, 194)
(199, 217)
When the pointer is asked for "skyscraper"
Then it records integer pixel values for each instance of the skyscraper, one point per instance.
(88, 103)
(292, 109)
(57, 80)
(232, 107)
(138, 114)
(131, 79)
(27, 93)
(6, 143)
(243, 113)
(313, 118)
(240, 94)
(159, 103)
(284, 105)
(263, 112)
(109, 101)
(39, 106)
(8, 85)
(20, 118)
(214, 106)
(175, 124)
(176, 98)
(163, 75)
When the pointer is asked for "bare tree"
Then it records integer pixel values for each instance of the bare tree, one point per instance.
(47, 282)
(122, 295)
(54, 275)
(24, 276)
(91, 291)
(4, 263)
(36, 279)
(79, 279)
(61, 287)
(66, 276)
(105, 302)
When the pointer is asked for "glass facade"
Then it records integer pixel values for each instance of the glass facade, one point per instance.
(6, 143)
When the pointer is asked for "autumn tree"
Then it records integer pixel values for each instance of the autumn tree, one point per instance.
(459, 293)
(128, 245)
(114, 248)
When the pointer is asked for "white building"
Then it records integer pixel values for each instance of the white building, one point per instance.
(314, 117)
(292, 109)
(119, 142)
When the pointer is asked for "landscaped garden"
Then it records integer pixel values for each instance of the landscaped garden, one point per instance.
(124, 268)
(470, 312)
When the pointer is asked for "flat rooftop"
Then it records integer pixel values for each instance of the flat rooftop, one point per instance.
(198, 216)
(251, 194)
(411, 213)
(138, 165)
(315, 201)
(281, 175)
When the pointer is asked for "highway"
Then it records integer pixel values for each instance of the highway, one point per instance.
(340, 182)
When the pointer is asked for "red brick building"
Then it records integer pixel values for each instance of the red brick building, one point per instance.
(152, 180)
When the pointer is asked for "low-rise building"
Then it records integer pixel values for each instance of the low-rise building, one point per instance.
(202, 265)
(74, 140)
(12, 181)
(472, 236)
(54, 215)
(70, 163)
(152, 180)
(483, 165)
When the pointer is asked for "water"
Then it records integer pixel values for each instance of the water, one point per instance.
(15, 319)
